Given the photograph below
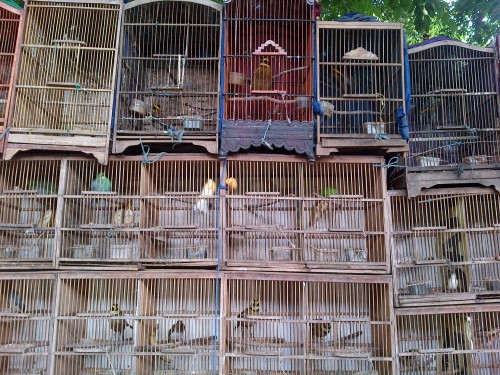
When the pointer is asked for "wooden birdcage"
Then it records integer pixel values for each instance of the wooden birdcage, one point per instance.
(169, 77)
(26, 327)
(268, 76)
(289, 214)
(454, 115)
(361, 86)
(445, 247)
(448, 340)
(101, 215)
(28, 208)
(64, 91)
(179, 212)
(136, 323)
(11, 16)
(306, 324)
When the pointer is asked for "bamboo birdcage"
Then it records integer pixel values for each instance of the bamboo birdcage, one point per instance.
(441, 234)
(11, 15)
(64, 91)
(101, 214)
(28, 207)
(180, 211)
(26, 311)
(169, 76)
(165, 323)
(361, 86)
(268, 76)
(448, 340)
(289, 214)
(298, 324)
(454, 115)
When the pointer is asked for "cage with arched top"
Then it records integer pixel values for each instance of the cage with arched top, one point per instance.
(11, 16)
(448, 340)
(454, 115)
(268, 76)
(169, 74)
(302, 324)
(28, 209)
(288, 214)
(136, 323)
(445, 247)
(64, 90)
(361, 87)
(26, 325)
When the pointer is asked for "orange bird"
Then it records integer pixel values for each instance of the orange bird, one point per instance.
(262, 77)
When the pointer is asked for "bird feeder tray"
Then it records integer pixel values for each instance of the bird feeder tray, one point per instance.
(94, 315)
(423, 262)
(357, 255)
(479, 159)
(416, 229)
(178, 351)
(264, 193)
(345, 230)
(83, 251)
(92, 192)
(362, 96)
(9, 314)
(352, 354)
(93, 350)
(185, 315)
(282, 253)
(374, 127)
(15, 192)
(96, 371)
(428, 161)
(327, 255)
(181, 227)
(452, 127)
(192, 124)
(21, 348)
(67, 85)
(183, 193)
(15, 226)
(97, 226)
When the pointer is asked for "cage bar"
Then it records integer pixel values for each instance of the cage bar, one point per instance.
(445, 247)
(298, 324)
(179, 211)
(28, 208)
(26, 310)
(11, 16)
(136, 323)
(64, 91)
(454, 124)
(448, 340)
(287, 214)
(361, 87)
(268, 76)
(101, 215)
(169, 74)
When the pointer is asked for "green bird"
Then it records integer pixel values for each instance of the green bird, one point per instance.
(43, 187)
(101, 183)
(251, 310)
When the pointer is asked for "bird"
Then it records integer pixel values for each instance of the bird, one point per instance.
(232, 184)
(202, 204)
(452, 281)
(46, 219)
(251, 310)
(320, 330)
(118, 325)
(321, 206)
(154, 342)
(262, 77)
(101, 183)
(452, 250)
(177, 332)
(43, 187)
(16, 302)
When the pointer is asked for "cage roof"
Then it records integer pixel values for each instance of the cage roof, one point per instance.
(13, 3)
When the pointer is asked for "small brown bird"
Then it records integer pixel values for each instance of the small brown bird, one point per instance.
(177, 332)
(118, 325)
(320, 330)
(262, 77)
(251, 310)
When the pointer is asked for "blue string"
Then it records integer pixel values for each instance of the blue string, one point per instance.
(145, 153)
(4, 133)
(392, 163)
(217, 276)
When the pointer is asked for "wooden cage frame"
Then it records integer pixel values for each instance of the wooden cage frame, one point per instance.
(373, 141)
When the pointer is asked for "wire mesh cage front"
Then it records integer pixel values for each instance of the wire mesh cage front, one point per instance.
(445, 247)
(360, 70)
(298, 325)
(25, 323)
(10, 21)
(268, 61)
(101, 216)
(454, 105)
(67, 71)
(180, 212)
(137, 324)
(449, 341)
(324, 216)
(170, 71)
(28, 203)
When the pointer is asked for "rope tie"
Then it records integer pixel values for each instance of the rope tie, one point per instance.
(145, 153)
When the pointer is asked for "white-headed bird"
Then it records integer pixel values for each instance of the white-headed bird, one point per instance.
(262, 77)
(202, 204)
(118, 326)
(177, 333)
(251, 310)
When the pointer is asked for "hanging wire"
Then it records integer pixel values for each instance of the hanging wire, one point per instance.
(145, 152)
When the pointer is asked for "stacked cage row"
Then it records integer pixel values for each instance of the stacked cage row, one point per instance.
(186, 322)
(277, 213)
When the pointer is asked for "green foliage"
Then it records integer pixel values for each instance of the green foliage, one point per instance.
(473, 21)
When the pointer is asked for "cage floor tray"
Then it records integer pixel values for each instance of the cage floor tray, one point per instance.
(21, 348)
